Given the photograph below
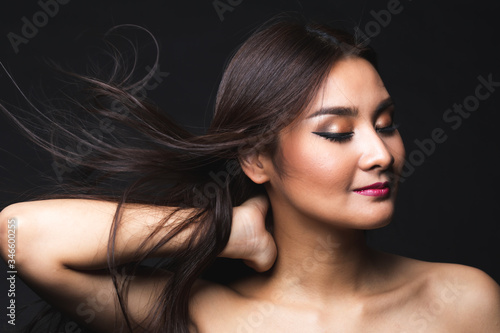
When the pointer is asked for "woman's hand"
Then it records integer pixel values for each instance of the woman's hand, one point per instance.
(249, 239)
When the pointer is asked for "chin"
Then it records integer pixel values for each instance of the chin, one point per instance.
(377, 225)
(369, 223)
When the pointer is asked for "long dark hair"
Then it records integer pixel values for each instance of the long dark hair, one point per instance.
(269, 81)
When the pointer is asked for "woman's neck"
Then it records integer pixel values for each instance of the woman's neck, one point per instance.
(320, 264)
(317, 262)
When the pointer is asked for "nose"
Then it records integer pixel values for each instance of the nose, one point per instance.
(374, 152)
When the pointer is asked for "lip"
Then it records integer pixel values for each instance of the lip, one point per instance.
(374, 190)
(374, 185)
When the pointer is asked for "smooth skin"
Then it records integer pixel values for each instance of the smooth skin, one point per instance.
(317, 274)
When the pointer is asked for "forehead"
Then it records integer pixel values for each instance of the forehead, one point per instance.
(352, 82)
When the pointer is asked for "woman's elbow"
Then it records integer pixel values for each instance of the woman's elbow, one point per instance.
(15, 234)
(8, 232)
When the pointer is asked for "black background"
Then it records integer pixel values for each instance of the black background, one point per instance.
(430, 57)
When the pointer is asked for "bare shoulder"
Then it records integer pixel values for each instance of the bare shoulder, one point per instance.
(471, 280)
(214, 306)
(454, 297)
(477, 306)
(476, 288)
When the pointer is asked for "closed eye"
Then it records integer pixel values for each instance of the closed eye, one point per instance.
(344, 137)
(337, 137)
(389, 129)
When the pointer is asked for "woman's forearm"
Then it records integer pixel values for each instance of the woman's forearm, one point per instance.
(74, 233)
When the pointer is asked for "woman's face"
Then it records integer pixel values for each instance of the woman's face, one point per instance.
(323, 169)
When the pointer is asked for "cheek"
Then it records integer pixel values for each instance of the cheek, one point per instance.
(316, 164)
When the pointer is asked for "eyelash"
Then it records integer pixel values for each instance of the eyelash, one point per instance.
(344, 137)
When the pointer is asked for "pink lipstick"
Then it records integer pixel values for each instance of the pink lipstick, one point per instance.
(374, 190)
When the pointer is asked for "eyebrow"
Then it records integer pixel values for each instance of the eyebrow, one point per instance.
(352, 112)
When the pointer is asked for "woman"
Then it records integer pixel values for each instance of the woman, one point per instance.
(304, 145)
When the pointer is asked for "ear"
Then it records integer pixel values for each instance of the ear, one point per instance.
(256, 166)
